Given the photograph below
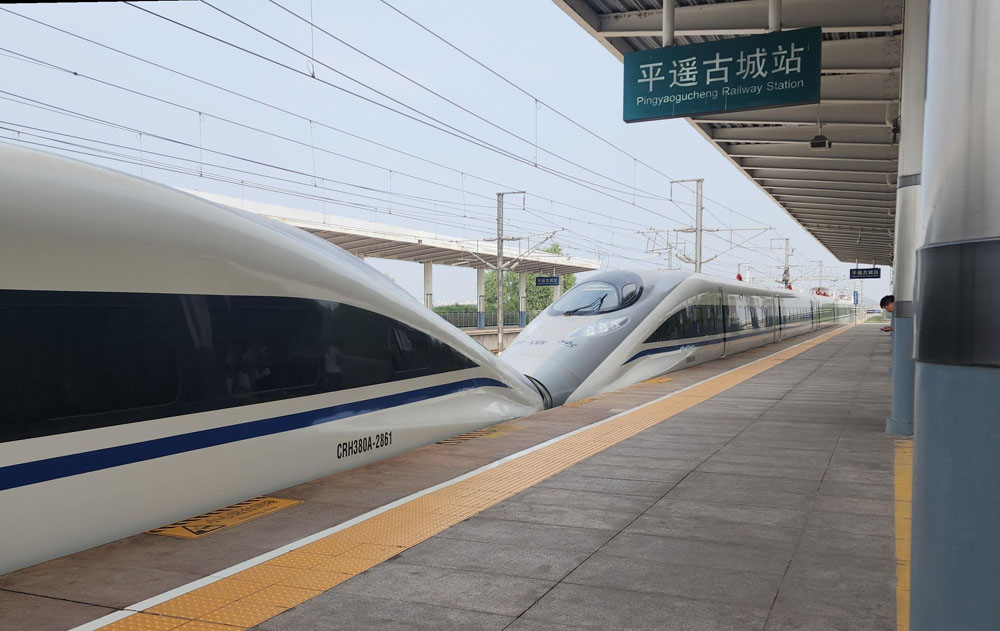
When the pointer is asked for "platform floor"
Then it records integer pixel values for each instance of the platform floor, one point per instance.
(762, 499)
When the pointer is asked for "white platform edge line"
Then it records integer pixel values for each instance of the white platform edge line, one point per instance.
(183, 589)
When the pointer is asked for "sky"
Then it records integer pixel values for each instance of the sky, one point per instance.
(409, 113)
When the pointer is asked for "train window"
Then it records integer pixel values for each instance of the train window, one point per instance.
(673, 328)
(588, 298)
(265, 344)
(629, 292)
(83, 360)
(64, 360)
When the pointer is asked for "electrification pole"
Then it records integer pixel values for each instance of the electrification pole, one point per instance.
(697, 219)
(697, 228)
(500, 240)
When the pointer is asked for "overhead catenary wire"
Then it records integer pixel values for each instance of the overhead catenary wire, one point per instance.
(300, 116)
(447, 129)
(200, 172)
(234, 122)
(36, 61)
(573, 218)
(551, 108)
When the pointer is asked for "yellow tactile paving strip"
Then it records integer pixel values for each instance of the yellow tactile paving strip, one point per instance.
(254, 595)
(903, 481)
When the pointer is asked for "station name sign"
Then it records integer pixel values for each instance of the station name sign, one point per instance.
(755, 72)
(865, 272)
(546, 281)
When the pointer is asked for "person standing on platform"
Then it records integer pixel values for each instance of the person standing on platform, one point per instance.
(887, 303)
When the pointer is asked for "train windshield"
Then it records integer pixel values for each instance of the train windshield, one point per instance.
(588, 298)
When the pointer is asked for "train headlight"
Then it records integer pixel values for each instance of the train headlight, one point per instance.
(593, 329)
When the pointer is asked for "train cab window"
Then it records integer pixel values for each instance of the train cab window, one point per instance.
(629, 291)
(588, 298)
(607, 292)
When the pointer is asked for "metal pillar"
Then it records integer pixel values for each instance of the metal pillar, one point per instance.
(697, 226)
(429, 285)
(773, 16)
(900, 421)
(499, 272)
(668, 23)
(557, 290)
(522, 293)
(480, 297)
(500, 240)
(955, 547)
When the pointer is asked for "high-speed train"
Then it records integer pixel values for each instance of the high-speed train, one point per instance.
(161, 355)
(620, 328)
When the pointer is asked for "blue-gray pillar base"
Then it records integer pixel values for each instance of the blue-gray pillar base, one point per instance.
(956, 514)
(900, 422)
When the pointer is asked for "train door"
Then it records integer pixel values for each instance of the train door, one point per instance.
(776, 317)
(724, 311)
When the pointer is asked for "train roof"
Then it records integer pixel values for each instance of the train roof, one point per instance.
(73, 226)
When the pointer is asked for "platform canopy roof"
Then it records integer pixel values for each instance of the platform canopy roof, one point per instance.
(846, 196)
(383, 241)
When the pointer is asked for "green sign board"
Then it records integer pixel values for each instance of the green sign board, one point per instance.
(742, 73)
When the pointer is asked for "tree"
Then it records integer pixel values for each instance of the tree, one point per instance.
(538, 298)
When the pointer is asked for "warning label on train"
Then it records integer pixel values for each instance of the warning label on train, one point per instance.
(219, 519)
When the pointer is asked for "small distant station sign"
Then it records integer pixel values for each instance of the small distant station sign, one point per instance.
(855, 297)
(759, 71)
(865, 272)
(546, 281)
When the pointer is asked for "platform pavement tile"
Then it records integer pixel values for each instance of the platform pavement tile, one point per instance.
(752, 482)
(201, 625)
(169, 554)
(854, 505)
(791, 458)
(329, 491)
(785, 619)
(707, 554)
(561, 515)
(776, 499)
(584, 499)
(839, 586)
(114, 585)
(585, 607)
(706, 529)
(762, 470)
(639, 446)
(445, 587)
(756, 591)
(571, 481)
(529, 535)
(244, 613)
(525, 624)
(655, 462)
(341, 610)
(880, 546)
(854, 489)
(27, 612)
(493, 558)
(880, 473)
(821, 444)
(846, 522)
(665, 435)
(628, 472)
(726, 511)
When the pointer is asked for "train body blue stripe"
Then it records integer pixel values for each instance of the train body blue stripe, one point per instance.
(668, 349)
(26, 473)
